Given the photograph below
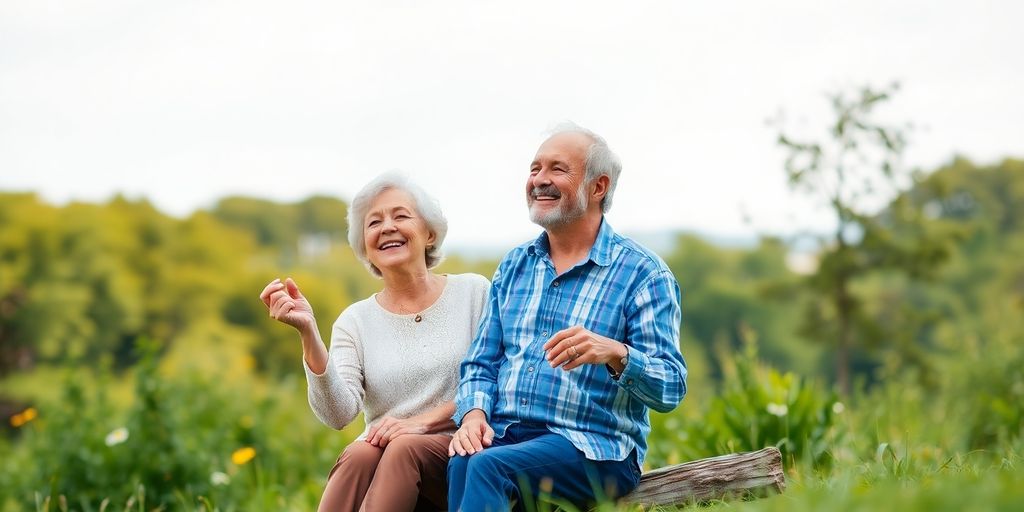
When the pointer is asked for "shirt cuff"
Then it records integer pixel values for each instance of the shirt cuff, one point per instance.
(478, 400)
(634, 370)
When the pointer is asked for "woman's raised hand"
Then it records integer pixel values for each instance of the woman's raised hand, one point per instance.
(287, 304)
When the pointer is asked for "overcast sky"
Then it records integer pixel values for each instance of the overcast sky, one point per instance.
(184, 101)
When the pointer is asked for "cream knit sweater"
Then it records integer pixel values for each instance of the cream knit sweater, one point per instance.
(386, 364)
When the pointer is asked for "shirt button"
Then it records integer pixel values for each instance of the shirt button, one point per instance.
(544, 333)
(523, 401)
(530, 369)
(629, 382)
(555, 284)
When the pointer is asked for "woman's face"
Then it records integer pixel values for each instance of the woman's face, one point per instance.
(395, 234)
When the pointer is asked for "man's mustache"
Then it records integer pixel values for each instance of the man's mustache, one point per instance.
(545, 190)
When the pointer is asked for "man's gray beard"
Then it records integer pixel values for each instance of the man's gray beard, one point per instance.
(560, 216)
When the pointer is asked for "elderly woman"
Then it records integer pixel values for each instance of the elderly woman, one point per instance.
(394, 356)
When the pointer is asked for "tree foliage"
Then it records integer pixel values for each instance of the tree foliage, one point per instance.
(849, 170)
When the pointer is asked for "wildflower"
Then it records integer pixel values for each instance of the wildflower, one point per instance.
(243, 455)
(116, 436)
(24, 417)
(219, 478)
(838, 408)
(779, 410)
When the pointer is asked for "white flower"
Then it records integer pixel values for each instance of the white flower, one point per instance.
(838, 407)
(779, 410)
(219, 478)
(116, 436)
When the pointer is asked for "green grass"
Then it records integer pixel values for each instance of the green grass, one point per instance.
(897, 447)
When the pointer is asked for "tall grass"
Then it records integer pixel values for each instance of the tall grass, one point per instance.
(186, 440)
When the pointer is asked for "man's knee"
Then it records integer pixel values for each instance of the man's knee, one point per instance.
(457, 464)
(483, 464)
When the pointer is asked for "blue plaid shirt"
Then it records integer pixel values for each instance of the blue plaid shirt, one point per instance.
(622, 291)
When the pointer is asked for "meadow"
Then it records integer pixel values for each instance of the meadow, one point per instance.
(139, 371)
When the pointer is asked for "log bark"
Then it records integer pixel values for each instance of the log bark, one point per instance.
(726, 476)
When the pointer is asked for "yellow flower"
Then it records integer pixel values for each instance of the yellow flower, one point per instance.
(24, 417)
(243, 455)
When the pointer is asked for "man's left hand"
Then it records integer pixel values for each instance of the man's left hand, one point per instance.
(575, 346)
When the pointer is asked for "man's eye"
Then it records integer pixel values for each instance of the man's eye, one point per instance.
(534, 171)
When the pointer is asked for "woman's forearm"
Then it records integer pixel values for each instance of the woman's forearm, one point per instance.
(313, 350)
(439, 418)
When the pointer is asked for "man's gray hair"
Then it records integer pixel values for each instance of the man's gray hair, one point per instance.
(424, 204)
(601, 160)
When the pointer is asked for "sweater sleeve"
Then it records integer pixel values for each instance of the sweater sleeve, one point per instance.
(481, 293)
(336, 396)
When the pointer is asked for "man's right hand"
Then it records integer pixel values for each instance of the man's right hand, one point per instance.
(474, 435)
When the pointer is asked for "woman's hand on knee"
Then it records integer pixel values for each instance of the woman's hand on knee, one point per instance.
(386, 429)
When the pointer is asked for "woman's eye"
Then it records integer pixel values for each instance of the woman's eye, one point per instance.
(373, 223)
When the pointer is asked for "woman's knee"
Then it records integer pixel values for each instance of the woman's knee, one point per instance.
(406, 444)
(359, 456)
(423, 452)
(361, 451)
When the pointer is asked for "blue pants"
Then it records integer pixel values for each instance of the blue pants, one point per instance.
(528, 461)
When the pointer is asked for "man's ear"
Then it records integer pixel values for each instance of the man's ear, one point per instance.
(600, 189)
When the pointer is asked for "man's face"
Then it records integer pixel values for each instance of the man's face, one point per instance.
(556, 190)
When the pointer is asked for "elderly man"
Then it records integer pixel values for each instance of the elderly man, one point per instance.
(580, 338)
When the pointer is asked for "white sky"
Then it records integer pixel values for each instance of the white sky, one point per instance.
(187, 101)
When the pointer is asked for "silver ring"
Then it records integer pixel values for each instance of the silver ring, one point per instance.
(575, 353)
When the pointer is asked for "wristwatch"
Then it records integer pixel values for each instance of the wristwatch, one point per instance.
(623, 361)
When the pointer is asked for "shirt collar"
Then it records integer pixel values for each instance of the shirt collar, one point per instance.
(600, 252)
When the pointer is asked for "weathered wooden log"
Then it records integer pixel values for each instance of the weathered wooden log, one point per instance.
(726, 476)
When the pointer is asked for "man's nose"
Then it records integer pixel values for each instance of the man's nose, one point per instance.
(543, 177)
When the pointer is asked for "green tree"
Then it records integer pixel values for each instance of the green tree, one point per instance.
(850, 170)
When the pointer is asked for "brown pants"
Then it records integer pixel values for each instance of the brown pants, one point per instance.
(408, 474)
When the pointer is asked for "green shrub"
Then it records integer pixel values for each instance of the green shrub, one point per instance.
(758, 407)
